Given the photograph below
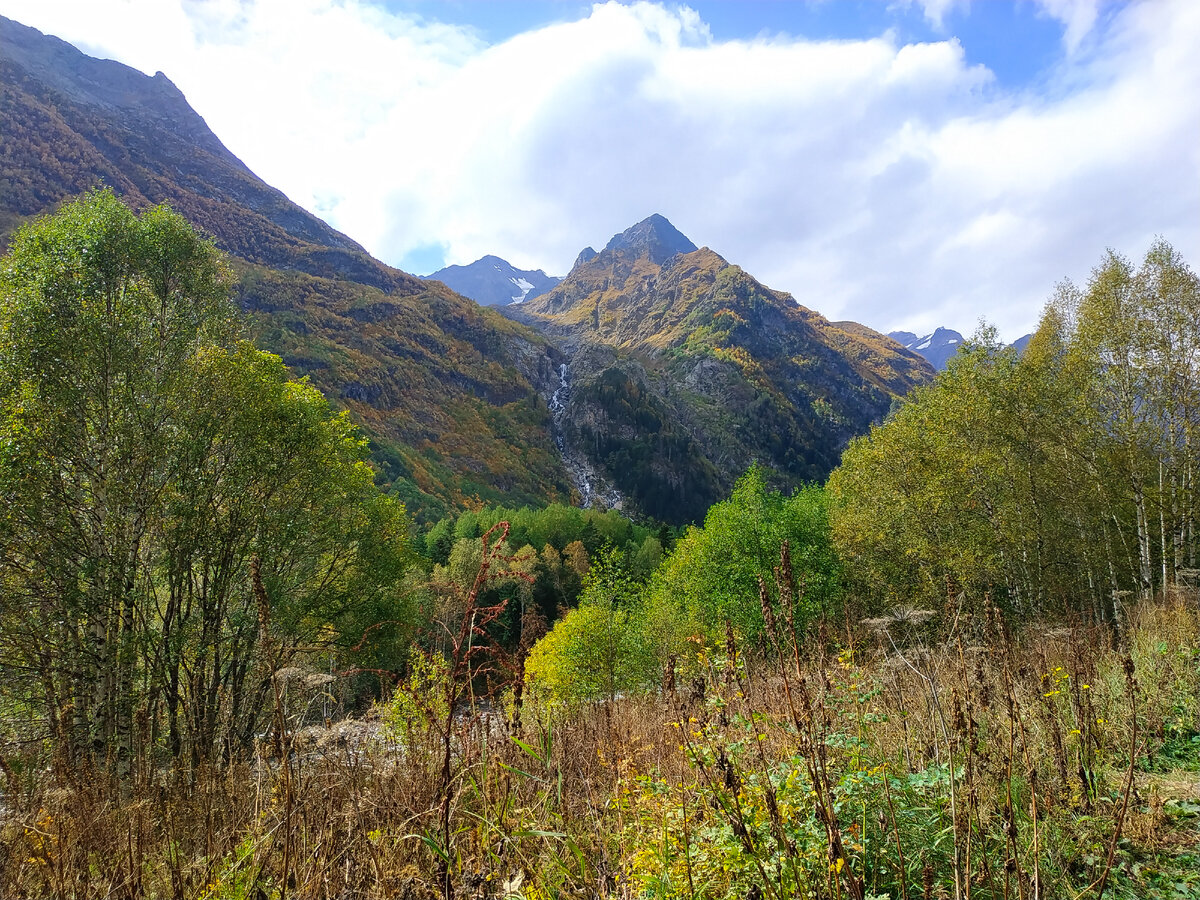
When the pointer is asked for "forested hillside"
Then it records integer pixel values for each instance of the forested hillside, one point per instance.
(452, 394)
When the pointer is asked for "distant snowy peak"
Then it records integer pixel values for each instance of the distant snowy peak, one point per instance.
(941, 345)
(937, 347)
(492, 281)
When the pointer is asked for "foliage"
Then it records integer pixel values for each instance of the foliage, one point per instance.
(598, 650)
(556, 524)
(567, 536)
(713, 574)
(923, 774)
(1059, 479)
(944, 767)
(182, 513)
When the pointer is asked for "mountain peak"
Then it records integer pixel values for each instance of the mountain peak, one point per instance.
(655, 237)
(937, 347)
(492, 281)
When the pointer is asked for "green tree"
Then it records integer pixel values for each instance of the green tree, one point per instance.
(712, 575)
(599, 649)
(1058, 479)
(149, 460)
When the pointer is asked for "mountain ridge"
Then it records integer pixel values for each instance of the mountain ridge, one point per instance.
(492, 281)
(941, 344)
(937, 347)
(452, 395)
(650, 377)
(719, 370)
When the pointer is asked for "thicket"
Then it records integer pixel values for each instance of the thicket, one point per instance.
(178, 518)
(896, 760)
(1061, 480)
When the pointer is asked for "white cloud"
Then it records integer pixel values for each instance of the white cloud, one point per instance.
(894, 184)
(935, 10)
(1077, 16)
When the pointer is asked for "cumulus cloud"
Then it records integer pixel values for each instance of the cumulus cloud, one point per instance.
(896, 184)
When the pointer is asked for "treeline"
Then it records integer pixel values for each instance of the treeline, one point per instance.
(556, 525)
(1059, 481)
(540, 558)
(606, 605)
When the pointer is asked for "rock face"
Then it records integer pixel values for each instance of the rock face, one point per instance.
(654, 237)
(492, 281)
(685, 369)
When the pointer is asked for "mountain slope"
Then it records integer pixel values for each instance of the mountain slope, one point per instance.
(492, 281)
(454, 396)
(657, 371)
(684, 369)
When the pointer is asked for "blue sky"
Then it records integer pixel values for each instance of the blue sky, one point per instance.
(1018, 41)
(904, 164)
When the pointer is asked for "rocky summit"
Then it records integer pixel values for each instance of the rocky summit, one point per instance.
(683, 369)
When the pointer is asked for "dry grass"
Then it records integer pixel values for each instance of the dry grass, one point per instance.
(894, 761)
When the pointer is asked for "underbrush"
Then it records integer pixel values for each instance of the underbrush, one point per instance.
(899, 759)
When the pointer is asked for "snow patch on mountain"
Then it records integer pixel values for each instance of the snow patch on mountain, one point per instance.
(939, 346)
(492, 281)
(523, 287)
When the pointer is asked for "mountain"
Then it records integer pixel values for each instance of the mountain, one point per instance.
(683, 369)
(453, 396)
(1022, 342)
(937, 347)
(649, 378)
(941, 345)
(654, 238)
(492, 281)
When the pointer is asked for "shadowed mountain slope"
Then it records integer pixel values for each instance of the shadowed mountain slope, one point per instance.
(684, 369)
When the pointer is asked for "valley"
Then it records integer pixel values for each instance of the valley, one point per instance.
(320, 580)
